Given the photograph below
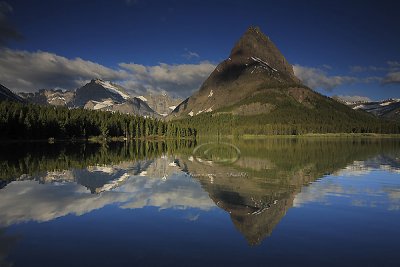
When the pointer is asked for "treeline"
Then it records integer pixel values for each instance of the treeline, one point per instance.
(288, 121)
(319, 155)
(32, 158)
(28, 121)
(293, 111)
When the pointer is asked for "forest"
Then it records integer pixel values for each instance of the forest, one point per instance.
(28, 121)
(289, 122)
(33, 122)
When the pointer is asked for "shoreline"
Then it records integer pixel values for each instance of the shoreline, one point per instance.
(91, 140)
(157, 139)
(347, 135)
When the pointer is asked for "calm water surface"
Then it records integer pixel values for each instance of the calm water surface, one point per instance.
(271, 202)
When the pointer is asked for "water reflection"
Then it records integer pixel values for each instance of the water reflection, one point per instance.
(276, 171)
(343, 185)
(7, 242)
(255, 181)
(59, 193)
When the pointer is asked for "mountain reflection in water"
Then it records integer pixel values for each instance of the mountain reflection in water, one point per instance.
(255, 181)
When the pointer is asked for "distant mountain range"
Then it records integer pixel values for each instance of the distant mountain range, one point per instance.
(104, 95)
(388, 109)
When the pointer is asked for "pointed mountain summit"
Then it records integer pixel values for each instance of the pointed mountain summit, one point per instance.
(255, 46)
(98, 90)
(254, 63)
(108, 96)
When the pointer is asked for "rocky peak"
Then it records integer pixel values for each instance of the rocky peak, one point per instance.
(255, 63)
(255, 45)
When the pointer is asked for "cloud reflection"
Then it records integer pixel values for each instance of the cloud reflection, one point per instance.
(363, 183)
(22, 201)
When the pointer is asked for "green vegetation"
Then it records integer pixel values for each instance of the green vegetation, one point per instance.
(31, 158)
(290, 115)
(276, 162)
(28, 121)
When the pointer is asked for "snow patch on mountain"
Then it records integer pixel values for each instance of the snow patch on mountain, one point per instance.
(114, 89)
(382, 108)
(263, 63)
(142, 98)
(103, 104)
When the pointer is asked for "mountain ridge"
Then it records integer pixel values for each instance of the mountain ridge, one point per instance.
(104, 95)
(7, 94)
(387, 109)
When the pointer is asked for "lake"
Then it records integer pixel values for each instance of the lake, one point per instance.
(256, 202)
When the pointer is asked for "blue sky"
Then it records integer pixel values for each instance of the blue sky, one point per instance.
(348, 48)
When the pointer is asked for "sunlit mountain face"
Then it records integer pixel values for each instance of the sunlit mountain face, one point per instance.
(258, 187)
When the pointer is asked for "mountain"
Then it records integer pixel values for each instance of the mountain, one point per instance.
(6, 94)
(99, 94)
(50, 97)
(95, 95)
(388, 109)
(162, 103)
(103, 95)
(254, 64)
(255, 91)
(130, 106)
(99, 90)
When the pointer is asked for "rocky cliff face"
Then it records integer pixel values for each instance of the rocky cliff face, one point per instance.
(98, 90)
(50, 97)
(162, 103)
(131, 106)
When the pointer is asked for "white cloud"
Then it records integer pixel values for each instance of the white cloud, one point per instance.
(393, 64)
(190, 54)
(353, 98)
(181, 79)
(392, 70)
(27, 71)
(30, 71)
(357, 69)
(317, 78)
(326, 66)
(392, 77)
